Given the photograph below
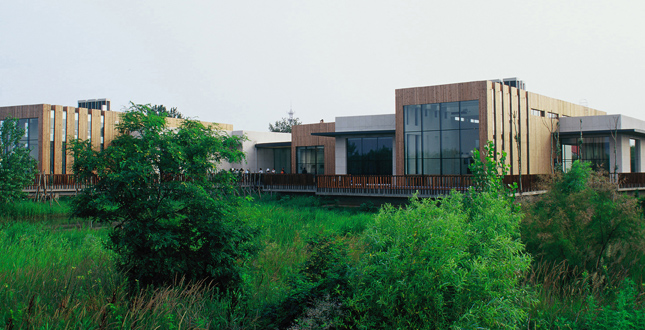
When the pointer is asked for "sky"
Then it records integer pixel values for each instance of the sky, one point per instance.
(247, 63)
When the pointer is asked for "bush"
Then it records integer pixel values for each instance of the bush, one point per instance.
(435, 267)
(317, 290)
(585, 221)
(172, 220)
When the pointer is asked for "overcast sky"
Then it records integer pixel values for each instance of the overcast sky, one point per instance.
(247, 62)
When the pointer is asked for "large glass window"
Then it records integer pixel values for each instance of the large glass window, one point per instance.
(282, 160)
(102, 131)
(310, 160)
(440, 138)
(592, 149)
(89, 127)
(369, 156)
(30, 139)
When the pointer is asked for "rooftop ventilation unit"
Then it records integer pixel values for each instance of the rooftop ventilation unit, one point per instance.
(97, 104)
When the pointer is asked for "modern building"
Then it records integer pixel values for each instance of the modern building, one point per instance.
(49, 127)
(435, 129)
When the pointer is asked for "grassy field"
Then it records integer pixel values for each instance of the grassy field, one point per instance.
(54, 275)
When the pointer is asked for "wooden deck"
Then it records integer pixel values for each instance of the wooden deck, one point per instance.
(342, 185)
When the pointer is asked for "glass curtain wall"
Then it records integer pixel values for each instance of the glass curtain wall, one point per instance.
(440, 137)
(282, 160)
(310, 160)
(369, 156)
(592, 149)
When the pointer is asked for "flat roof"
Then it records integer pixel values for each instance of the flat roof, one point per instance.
(379, 132)
(631, 131)
(273, 145)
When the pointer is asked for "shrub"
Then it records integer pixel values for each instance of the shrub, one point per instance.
(585, 221)
(317, 290)
(172, 220)
(454, 263)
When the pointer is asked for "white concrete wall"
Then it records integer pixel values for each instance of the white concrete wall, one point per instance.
(256, 158)
(341, 155)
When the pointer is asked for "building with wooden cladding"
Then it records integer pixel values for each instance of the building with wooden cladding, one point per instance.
(48, 128)
(435, 129)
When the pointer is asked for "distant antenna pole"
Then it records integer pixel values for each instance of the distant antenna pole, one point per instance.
(290, 112)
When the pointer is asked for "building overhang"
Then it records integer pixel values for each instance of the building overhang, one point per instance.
(628, 131)
(335, 134)
(273, 145)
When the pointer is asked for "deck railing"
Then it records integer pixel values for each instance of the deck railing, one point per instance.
(390, 185)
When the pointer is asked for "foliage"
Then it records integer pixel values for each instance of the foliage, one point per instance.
(313, 301)
(625, 311)
(284, 125)
(488, 174)
(170, 220)
(584, 220)
(454, 262)
(161, 110)
(17, 167)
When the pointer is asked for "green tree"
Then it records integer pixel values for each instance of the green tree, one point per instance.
(450, 263)
(161, 110)
(284, 125)
(585, 221)
(17, 167)
(155, 185)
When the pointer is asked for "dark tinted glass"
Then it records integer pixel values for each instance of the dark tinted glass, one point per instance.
(430, 115)
(450, 166)
(450, 115)
(469, 113)
(469, 142)
(432, 166)
(412, 118)
(432, 144)
(450, 144)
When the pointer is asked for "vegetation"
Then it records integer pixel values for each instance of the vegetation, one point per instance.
(585, 221)
(171, 221)
(17, 167)
(457, 262)
(160, 110)
(284, 125)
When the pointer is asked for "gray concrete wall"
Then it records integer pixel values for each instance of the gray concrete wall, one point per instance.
(365, 123)
(596, 123)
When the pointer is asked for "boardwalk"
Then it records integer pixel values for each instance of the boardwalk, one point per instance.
(342, 185)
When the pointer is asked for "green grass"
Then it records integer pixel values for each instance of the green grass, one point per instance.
(54, 276)
(30, 211)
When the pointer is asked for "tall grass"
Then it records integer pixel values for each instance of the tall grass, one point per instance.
(28, 210)
(57, 278)
(285, 226)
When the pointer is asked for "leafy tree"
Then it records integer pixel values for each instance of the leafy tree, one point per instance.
(585, 221)
(161, 110)
(451, 263)
(284, 125)
(17, 167)
(171, 219)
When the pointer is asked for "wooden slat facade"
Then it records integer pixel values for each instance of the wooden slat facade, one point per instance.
(504, 114)
(43, 113)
